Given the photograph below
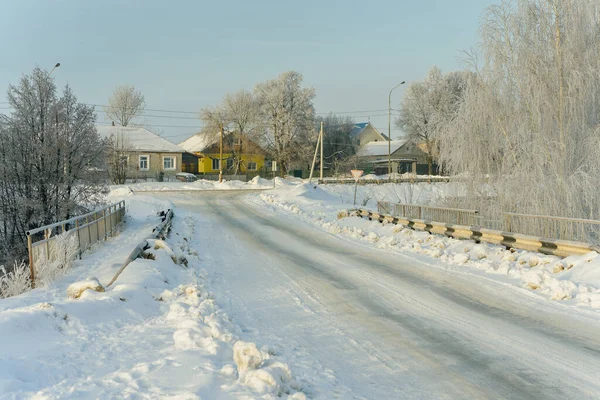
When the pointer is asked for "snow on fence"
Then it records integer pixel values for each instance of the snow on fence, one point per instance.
(441, 214)
(46, 244)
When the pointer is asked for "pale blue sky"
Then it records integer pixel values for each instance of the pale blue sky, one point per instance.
(184, 55)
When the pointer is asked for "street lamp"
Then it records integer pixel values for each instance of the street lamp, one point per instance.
(56, 66)
(390, 130)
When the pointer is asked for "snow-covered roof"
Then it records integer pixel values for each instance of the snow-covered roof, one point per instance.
(359, 128)
(381, 148)
(198, 142)
(139, 139)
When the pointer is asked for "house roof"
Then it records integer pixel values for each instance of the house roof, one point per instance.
(198, 142)
(381, 148)
(139, 139)
(357, 129)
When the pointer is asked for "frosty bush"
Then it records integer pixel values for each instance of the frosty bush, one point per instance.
(63, 250)
(529, 119)
(14, 282)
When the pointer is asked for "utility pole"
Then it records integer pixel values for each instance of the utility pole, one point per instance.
(390, 130)
(312, 168)
(321, 136)
(221, 157)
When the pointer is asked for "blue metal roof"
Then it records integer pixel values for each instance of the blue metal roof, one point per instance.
(358, 128)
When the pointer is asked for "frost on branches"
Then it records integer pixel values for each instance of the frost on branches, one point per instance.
(529, 120)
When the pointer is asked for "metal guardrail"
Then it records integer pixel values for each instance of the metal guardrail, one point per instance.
(557, 247)
(439, 214)
(85, 230)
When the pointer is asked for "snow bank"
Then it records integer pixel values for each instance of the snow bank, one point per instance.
(575, 279)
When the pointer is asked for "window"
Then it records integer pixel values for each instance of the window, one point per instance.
(229, 163)
(124, 161)
(216, 164)
(237, 141)
(251, 166)
(168, 163)
(144, 163)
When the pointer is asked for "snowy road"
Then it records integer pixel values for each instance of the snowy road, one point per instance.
(363, 323)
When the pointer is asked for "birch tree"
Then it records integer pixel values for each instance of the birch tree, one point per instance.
(125, 104)
(529, 122)
(286, 112)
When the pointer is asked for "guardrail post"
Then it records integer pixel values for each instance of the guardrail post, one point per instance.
(31, 267)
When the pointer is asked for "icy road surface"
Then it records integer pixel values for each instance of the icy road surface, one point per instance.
(363, 323)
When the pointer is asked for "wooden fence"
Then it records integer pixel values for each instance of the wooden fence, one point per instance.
(83, 231)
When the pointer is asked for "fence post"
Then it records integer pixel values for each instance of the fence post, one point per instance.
(47, 238)
(507, 224)
(97, 226)
(31, 268)
(87, 224)
(104, 219)
(78, 237)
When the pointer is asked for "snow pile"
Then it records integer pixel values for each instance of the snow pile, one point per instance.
(575, 279)
(75, 290)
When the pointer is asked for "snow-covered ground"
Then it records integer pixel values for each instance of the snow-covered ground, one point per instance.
(202, 184)
(574, 280)
(158, 332)
(270, 295)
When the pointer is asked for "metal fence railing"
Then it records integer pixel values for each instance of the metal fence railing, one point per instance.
(47, 243)
(544, 226)
(438, 214)
(578, 230)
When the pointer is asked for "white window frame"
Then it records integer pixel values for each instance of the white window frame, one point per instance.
(227, 162)
(218, 160)
(147, 162)
(255, 166)
(174, 159)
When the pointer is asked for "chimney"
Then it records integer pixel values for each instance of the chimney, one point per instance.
(113, 123)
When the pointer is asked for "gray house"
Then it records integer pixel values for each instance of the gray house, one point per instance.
(406, 156)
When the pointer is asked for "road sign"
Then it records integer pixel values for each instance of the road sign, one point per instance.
(356, 174)
(274, 166)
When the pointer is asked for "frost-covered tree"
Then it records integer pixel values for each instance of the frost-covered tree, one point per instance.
(50, 156)
(339, 146)
(125, 104)
(428, 106)
(118, 148)
(286, 113)
(238, 115)
(530, 118)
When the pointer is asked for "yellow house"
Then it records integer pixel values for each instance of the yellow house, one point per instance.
(240, 156)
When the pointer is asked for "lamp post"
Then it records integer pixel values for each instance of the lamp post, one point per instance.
(56, 66)
(390, 130)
